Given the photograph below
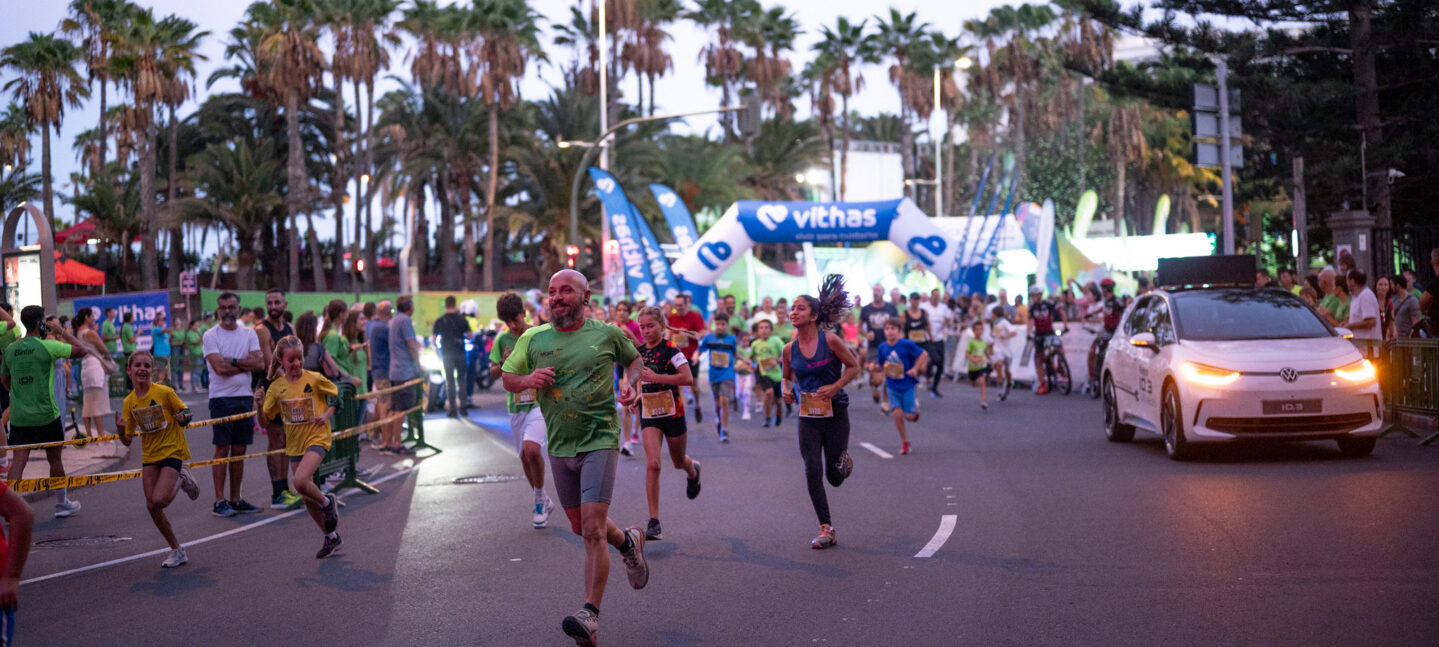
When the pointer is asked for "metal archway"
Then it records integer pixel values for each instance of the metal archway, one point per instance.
(47, 251)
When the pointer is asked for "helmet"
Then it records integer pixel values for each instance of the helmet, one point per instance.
(1107, 283)
(469, 308)
(1035, 289)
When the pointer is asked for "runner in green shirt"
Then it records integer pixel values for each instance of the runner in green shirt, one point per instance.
(767, 349)
(28, 373)
(570, 364)
(527, 423)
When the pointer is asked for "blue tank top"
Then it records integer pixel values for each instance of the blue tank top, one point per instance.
(814, 372)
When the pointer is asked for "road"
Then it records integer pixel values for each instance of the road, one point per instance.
(1059, 538)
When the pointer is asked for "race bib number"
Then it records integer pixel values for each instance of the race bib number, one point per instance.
(812, 406)
(297, 411)
(918, 336)
(526, 396)
(149, 419)
(768, 363)
(657, 405)
(742, 365)
(719, 360)
(893, 370)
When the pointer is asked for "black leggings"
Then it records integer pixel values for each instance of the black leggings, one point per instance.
(936, 364)
(821, 441)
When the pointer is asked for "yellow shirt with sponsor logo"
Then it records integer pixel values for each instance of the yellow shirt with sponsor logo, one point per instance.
(152, 416)
(298, 403)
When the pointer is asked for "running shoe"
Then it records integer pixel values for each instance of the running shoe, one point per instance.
(177, 558)
(330, 547)
(766, 422)
(66, 508)
(745, 415)
(188, 486)
(845, 464)
(934, 393)
(876, 397)
(905, 449)
(652, 530)
(724, 436)
(582, 626)
(542, 512)
(699, 416)
(243, 507)
(984, 406)
(331, 513)
(1043, 390)
(222, 509)
(285, 500)
(825, 539)
(884, 409)
(692, 485)
(625, 450)
(402, 451)
(638, 570)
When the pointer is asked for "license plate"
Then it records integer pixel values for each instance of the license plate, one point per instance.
(1292, 406)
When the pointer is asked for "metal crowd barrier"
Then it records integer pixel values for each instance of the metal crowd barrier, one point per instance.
(1409, 377)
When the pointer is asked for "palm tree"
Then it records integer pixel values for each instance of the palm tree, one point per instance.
(509, 30)
(543, 172)
(113, 200)
(291, 64)
(838, 55)
(46, 82)
(783, 149)
(241, 187)
(895, 39)
(96, 22)
(177, 61)
(17, 184)
(14, 137)
(772, 33)
(647, 54)
(1019, 57)
(724, 63)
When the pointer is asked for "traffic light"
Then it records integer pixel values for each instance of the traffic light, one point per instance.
(571, 253)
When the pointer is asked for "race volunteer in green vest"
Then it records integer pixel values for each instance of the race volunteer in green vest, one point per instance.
(29, 374)
(569, 363)
(108, 333)
(127, 334)
(527, 424)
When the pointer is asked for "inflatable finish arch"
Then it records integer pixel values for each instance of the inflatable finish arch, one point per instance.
(747, 223)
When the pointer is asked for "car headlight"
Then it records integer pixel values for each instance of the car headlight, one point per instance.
(1360, 371)
(1207, 375)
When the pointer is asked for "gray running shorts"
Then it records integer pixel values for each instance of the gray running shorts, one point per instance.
(587, 478)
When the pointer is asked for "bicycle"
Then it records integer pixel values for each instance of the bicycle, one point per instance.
(1056, 367)
(1096, 362)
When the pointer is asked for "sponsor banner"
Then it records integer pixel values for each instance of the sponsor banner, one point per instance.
(142, 306)
(664, 280)
(617, 209)
(677, 216)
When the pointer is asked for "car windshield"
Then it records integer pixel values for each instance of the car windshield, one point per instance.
(1227, 314)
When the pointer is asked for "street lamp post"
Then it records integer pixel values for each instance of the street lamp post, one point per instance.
(963, 63)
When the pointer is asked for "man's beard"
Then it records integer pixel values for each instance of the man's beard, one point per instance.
(227, 319)
(275, 314)
(565, 316)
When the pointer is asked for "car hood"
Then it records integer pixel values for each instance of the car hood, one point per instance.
(1311, 354)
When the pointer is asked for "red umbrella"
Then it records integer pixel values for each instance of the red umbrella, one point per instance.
(75, 272)
(77, 234)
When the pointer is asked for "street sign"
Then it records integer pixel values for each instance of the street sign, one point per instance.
(189, 283)
(1207, 155)
(1206, 125)
(1205, 98)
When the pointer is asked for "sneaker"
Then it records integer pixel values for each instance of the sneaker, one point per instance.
(331, 513)
(330, 547)
(177, 558)
(402, 451)
(188, 486)
(825, 539)
(638, 570)
(384, 451)
(222, 509)
(884, 409)
(724, 436)
(845, 464)
(904, 450)
(766, 422)
(652, 530)
(625, 450)
(1043, 390)
(582, 626)
(984, 406)
(745, 415)
(692, 486)
(876, 396)
(243, 507)
(542, 512)
(699, 415)
(934, 393)
(286, 500)
(66, 508)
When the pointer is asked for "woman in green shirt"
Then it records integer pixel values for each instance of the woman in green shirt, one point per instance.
(179, 355)
(194, 341)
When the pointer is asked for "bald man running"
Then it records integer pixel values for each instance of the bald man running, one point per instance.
(570, 364)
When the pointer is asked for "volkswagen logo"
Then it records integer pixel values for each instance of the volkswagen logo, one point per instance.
(1288, 374)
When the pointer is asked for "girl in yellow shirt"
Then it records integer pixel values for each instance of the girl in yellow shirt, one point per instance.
(158, 416)
(301, 399)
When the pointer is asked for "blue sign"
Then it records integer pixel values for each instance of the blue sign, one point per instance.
(665, 284)
(141, 306)
(677, 216)
(817, 222)
(617, 208)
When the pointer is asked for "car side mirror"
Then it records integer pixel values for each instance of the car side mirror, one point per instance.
(1145, 340)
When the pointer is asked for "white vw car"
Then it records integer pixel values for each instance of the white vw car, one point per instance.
(1234, 364)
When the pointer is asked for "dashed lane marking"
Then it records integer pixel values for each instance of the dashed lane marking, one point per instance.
(877, 451)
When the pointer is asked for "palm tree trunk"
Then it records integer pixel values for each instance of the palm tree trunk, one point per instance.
(362, 168)
(176, 262)
(445, 235)
(295, 175)
(844, 147)
(1120, 169)
(368, 245)
(906, 147)
(317, 259)
(1366, 103)
(149, 259)
(46, 192)
(652, 95)
(492, 261)
(469, 223)
(342, 270)
(99, 166)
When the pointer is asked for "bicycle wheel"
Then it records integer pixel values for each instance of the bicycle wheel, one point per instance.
(1059, 373)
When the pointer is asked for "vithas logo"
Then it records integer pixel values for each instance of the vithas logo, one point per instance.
(667, 200)
(606, 185)
(771, 215)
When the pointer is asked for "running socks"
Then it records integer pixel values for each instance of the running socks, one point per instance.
(626, 547)
(539, 495)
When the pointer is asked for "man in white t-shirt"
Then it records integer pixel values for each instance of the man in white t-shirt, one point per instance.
(940, 315)
(232, 351)
(765, 312)
(1363, 308)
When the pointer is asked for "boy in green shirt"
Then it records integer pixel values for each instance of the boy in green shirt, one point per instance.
(527, 423)
(766, 349)
(977, 352)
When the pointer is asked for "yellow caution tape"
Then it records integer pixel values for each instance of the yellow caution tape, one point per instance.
(388, 390)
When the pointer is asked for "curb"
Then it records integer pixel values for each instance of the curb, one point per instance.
(102, 465)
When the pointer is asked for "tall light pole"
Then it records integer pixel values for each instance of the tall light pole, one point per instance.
(963, 63)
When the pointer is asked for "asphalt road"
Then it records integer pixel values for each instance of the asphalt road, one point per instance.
(1060, 538)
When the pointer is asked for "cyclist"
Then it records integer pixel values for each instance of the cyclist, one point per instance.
(1042, 313)
(1113, 309)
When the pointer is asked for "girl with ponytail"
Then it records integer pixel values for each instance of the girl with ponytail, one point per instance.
(817, 366)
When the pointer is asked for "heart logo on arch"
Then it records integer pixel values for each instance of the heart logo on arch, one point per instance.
(606, 185)
(667, 199)
(771, 215)
(927, 249)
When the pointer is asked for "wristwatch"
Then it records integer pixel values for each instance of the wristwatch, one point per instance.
(235, 362)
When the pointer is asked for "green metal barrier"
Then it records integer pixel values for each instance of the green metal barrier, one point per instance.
(1411, 384)
(119, 386)
(344, 456)
(415, 422)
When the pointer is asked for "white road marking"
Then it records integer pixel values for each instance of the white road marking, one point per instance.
(878, 452)
(946, 526)
(196, 542)
(404, 464)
